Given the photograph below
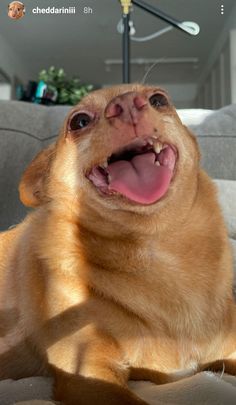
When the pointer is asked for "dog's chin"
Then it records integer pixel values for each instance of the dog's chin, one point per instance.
(139, 174)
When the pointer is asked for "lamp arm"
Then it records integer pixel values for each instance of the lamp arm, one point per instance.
(165, 17)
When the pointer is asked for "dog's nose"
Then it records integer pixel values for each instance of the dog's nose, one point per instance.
(127, 107)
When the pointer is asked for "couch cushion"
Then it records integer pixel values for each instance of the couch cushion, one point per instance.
(16, 150)
(34, 120)
(217, 139)
(24, 130)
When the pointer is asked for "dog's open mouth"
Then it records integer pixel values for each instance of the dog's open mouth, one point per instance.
(141, 171)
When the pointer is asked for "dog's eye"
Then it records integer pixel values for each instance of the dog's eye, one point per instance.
(79, 121)
(158, 100)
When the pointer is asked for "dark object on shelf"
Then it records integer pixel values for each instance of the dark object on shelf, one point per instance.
(27, 94)
(30, 90)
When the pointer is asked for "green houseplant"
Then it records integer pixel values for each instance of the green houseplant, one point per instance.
(69, 91)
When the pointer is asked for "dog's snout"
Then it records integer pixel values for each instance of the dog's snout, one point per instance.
(126, 107)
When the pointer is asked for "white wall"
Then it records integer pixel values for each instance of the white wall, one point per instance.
(233, 65)
(217, 85)
(215, 91)
(5, 91)
(12, 64)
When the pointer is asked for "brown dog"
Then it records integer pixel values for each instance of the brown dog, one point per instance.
(16, 10)
(124, 270)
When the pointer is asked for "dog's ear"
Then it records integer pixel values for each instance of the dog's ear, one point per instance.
(32, 187)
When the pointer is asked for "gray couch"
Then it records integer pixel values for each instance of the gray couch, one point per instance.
(26, 128)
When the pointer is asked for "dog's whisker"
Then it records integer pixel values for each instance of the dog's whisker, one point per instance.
(143, 81)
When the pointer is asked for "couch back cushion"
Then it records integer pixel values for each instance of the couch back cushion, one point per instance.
(24, 130)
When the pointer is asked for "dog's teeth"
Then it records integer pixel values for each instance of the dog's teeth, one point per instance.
(157, 147)
(150, 141)
(157, 163)
(109, 178)
(104, 165)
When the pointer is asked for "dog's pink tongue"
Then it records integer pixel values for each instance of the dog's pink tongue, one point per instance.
(140, 179)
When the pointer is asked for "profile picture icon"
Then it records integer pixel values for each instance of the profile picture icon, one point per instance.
(16, 10)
